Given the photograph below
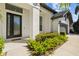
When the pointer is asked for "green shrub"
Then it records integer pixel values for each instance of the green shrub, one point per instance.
(63, 33)
(1, 44)
(36, 47)
(57, 41)
(63, 38)
(47, 44)
(39, 49)
(32, 43)
(50, 42)
(44, 36)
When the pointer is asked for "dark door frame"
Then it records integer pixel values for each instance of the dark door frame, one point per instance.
(12, 25)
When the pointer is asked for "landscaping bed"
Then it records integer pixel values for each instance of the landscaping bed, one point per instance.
(1, 46)
(46, 43)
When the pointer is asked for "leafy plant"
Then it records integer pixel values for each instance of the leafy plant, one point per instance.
(43, 36)
(49, 43)
(36, 47)
(1, 44)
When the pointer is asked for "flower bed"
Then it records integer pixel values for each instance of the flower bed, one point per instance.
(45, 43)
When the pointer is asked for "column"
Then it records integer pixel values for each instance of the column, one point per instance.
(34, 22)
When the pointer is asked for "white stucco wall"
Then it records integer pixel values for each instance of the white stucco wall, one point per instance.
(25, 19)
(30, 20)
(30, 26)
(68, 25)
(62, 29)
(34, 21)
(46, 20)
(54, 25)
(3, 20)
(25, 24)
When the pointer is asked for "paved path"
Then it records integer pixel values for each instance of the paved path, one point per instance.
(70, 48)
(18, 48)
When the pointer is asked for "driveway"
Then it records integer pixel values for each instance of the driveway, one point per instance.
(70, 48)
(18, 48)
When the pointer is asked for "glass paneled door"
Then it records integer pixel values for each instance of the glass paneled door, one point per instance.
(14, 25)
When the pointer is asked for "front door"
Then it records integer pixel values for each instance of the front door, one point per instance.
(14, 25)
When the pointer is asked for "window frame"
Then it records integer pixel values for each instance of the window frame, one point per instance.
(40, 22)
(12, 25)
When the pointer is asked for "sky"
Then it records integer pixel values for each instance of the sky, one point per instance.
(72, 7)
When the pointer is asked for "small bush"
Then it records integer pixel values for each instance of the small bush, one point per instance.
(63, 33)
(63, 38)
(49, 44)
(1, 44)
(43, 36)
(36, 47)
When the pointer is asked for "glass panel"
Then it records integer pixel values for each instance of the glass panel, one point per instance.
(8, 24)
(16, 25)
(40, 23)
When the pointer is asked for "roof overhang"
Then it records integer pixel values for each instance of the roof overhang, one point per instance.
(59, 15)
(55, 17)
(63, 23)
(47, 7)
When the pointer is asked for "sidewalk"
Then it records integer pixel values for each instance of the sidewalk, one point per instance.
(17, 48)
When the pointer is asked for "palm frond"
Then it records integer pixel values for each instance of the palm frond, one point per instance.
(64, 6)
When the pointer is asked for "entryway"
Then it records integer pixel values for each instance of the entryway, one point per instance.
(14, 25)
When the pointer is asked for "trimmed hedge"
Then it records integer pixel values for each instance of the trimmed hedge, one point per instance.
(49, 43)
(43, 36)
(1, 44)
(36, 47)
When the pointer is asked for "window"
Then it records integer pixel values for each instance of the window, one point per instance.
(16, 25)
(40, 23)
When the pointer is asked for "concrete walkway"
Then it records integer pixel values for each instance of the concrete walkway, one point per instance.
(18, 48)
(70, 48)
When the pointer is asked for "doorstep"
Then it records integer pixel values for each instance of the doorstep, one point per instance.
(16, 38)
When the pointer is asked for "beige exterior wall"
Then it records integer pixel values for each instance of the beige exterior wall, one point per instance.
(56, 27)
(2, 20)
(34, 21)
(68, 25)
(46, 20)
(30, 19)
(25, 24)
(30, 22)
